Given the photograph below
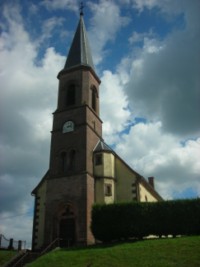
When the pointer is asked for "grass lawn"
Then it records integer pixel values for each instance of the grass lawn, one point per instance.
(6, 256)
(178, 252)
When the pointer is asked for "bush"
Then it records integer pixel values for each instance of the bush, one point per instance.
(137, 220)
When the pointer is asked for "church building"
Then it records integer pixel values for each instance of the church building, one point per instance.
(83, 169)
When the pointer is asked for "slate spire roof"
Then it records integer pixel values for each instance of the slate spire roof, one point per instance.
(102, 146)
(79, 53)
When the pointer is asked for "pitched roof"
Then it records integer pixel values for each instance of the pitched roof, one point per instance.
(79, 53)
(45, 177)
(101, 146)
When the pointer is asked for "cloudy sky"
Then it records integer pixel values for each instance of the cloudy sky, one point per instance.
(146, 53)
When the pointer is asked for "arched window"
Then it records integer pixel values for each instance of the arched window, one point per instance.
(98, 159)
(63, 161)
(68, 161)
(71, 95)
(94, 98)
(72, 155)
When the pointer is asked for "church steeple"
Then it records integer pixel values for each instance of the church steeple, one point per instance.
(80, 52)
(82, 168)
(67, 190)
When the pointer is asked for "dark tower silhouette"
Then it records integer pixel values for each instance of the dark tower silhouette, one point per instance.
(64, 197)
(83, 169)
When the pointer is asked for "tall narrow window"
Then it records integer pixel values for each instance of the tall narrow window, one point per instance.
(94, 98)
(71, 95)
(71, 164)
(108, 189)
(63, 161)
(98, 159)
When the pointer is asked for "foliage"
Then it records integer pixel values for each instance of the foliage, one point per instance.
(137, 220)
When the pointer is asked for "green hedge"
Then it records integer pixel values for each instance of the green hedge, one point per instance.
(137, 220)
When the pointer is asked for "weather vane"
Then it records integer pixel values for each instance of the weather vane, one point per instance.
(81, 8)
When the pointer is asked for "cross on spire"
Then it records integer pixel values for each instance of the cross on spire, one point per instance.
(81, 8)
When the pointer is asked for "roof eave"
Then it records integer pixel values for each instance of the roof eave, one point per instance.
(76, 67)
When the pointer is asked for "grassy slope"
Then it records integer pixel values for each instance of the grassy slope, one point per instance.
(6, 256)
(179, 252)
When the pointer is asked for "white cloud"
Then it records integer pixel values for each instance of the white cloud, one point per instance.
(114, 105)
(141, 4)
(49, 26)
(152, 153)
(106, 22)
(137, 37)
(28, 97)
(61, 4)
(163, 87)
(164, 79)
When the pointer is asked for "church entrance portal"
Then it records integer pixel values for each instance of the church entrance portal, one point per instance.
(67, 232)
(67, 228)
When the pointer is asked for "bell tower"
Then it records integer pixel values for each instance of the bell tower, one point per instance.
(65, 195)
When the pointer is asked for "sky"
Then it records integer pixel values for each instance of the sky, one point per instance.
(147, 55)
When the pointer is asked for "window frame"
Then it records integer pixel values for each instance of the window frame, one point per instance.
(94, 96)
(108, 189)
(98, 159)
(71, 95)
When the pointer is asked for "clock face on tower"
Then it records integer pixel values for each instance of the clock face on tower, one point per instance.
(68, 126)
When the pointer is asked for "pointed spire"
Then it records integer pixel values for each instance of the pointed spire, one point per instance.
(79, 53)
(81, 8)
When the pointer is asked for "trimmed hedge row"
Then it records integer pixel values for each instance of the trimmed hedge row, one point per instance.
(137, 220)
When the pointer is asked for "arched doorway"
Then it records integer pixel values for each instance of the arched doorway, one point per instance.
(67, 227)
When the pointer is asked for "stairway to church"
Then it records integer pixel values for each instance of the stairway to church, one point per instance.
(22, 258)
(28, 256)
